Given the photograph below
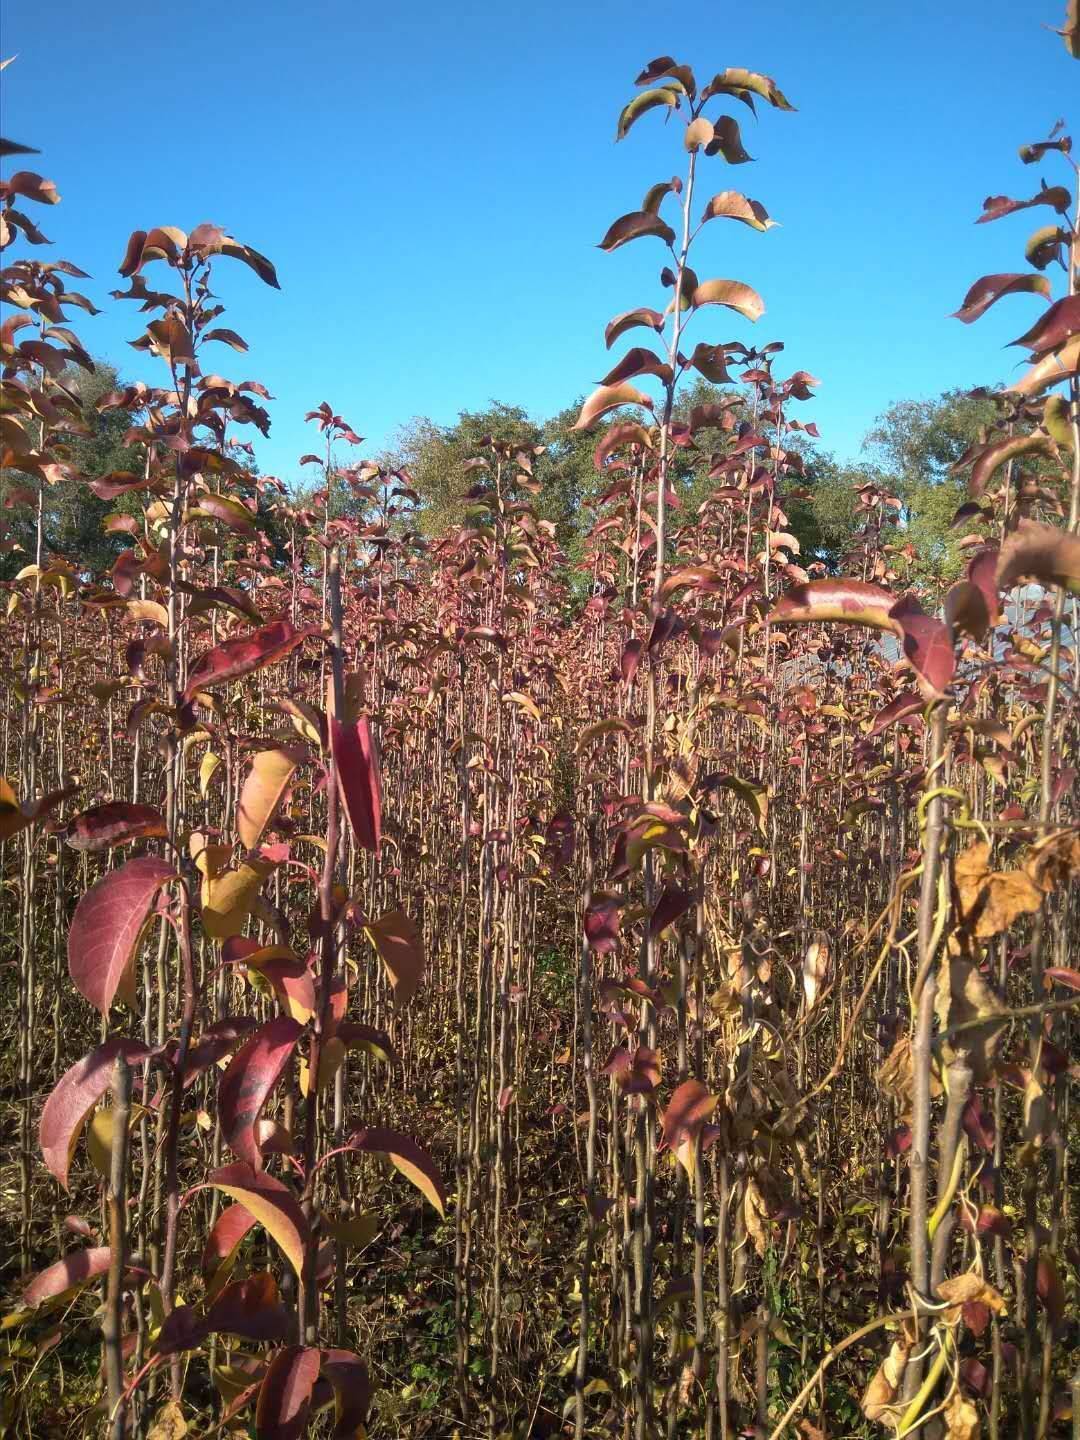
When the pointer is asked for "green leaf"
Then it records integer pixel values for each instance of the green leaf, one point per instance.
(648, 100)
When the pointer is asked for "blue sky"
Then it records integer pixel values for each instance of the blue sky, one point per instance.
(431, 181)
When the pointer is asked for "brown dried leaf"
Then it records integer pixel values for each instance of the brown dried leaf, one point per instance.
(991, 900)
(961, 1418)
(880, 1399)
(961, 1290)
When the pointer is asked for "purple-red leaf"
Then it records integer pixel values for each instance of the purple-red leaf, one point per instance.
(995, 206)
(285, 1394)
(76, 1093)
(407, 1156)
(602, 920)
(250, 1308)
(348, 1376)
(990, 288)
(674, 902)
(243, 654)
(253, 1072)
(115, 822)
(1053, 327)
(632, 226)
(76, 1268)
(106, 927)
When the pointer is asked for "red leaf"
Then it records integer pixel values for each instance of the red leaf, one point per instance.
(637, 1072)
(273, 1204)
(356, 764)
(250, 1308)
(407, 1156)
(243, 654)
(1053, 327)
(215, 1043)
(285, 1394)
(673, 902)
(348, 1376)
(74, 1096)
(688, 1109)
(631, 659)
(845, 602)
(927, 644)
(106, 927)
(253, 1072)
(114, 823)
(229, 1229)
(1050, 1288)
(602, 921)
(995, 206)
(990, 288)
(76, 1268)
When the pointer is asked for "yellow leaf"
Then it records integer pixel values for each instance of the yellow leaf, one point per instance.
(270, 773)
(148, 610)
(207, 769)
(227, 898)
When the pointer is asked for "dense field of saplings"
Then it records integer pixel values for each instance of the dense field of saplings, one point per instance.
(457, 987)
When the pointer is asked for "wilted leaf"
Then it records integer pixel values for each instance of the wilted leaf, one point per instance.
(966, 1289)
(989, 901)
(881, 1399)
(815, 969)
(961, 1418)
(168, 1423)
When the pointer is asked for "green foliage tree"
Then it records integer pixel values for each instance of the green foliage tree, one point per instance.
(73, 515)
(914, 445)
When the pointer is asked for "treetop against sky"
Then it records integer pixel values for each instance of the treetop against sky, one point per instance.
(433, 182)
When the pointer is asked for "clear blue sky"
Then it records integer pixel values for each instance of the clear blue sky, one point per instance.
(431, 181)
